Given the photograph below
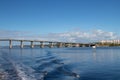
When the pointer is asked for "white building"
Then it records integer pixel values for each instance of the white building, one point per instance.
(110, 41)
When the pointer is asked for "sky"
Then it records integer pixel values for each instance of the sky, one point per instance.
(60, 20)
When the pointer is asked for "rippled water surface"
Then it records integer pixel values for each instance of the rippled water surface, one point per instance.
(60, 64)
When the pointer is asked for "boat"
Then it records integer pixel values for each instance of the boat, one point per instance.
(93, 46)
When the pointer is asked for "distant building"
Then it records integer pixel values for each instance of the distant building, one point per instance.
(110, 41)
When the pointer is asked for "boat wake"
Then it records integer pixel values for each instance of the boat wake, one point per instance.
(47, 68)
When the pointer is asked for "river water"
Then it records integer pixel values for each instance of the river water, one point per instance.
(60, 64)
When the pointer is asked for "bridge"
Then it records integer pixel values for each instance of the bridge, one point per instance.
(42, 44)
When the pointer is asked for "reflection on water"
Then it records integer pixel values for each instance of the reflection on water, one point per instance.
(60, 64)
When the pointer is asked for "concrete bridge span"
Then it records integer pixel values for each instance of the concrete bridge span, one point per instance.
(42, 43)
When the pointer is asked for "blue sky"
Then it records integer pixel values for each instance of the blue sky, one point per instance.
(59, 16)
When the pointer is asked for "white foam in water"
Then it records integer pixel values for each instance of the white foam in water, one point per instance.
(20, 68)
(27, 73)
(22, 74)
(78, 76)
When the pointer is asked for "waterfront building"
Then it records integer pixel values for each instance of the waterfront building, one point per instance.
(110, 41)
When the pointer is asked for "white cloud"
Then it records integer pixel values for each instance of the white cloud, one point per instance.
(13, 34)
(72, 36)
(80, 36)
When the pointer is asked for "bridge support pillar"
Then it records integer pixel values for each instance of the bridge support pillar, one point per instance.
(50, 44)
(59, 44)
(21, 44)
(89, 45)
(66, 45)
(69, 45)
(10, 44)
(41, 45)
(32, 45)
(76, 45)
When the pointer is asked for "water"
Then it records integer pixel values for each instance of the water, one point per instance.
(60, 64)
